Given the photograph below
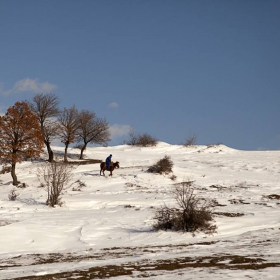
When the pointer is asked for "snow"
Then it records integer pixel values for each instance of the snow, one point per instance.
(107, 226)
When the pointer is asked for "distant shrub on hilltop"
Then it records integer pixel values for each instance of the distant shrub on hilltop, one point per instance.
(142, 140)
(190, 140)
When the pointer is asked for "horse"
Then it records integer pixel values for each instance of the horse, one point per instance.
(113, 165)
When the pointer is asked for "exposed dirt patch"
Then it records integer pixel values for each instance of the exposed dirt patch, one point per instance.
(103, 254)
(227, 214)
(85, 161)
(219, 188)
(145, 268)
(238, 201)
(141, 268)
(215, 203)
(272, 196)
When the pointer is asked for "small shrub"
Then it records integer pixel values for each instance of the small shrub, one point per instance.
(13, 195)
(55, 177)
(194, 213)
(163, 166)
(142, 140)
(79, 186)
(146, 140)
(190, 141)
(165, 218)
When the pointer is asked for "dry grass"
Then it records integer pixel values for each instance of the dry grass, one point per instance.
(146, 268)
(238, 201)
(85, 161)
(227, 214)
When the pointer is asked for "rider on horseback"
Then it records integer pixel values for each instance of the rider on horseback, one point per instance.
(108, 161)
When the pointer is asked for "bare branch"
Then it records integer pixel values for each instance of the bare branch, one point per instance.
(92, 130)
(54, 176)
(68, 122)
(45, 107)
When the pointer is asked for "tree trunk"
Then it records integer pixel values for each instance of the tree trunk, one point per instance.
(14, 176)
(82, 151)
(65, 152)
(50, 152)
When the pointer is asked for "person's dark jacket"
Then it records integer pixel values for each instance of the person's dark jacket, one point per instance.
(108, 161)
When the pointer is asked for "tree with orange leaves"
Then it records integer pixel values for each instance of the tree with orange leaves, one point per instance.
(20, 136)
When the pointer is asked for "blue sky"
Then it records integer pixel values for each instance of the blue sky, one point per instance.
(168, 68)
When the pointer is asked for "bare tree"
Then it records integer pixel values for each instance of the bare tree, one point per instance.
(45, 106)
(54, 176)
(68, 120)
(92, 130)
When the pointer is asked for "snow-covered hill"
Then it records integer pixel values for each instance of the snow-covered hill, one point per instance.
(105, 230)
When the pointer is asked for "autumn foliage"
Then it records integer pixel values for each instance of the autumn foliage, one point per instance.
(20, 136)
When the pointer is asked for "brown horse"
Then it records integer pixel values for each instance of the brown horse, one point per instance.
(113, 165)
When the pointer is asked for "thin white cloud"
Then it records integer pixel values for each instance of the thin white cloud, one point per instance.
(118, 130)
(31, 85)
(114, 105)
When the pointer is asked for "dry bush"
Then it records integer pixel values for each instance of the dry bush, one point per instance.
(54, 176)
(78, 185)
(193, 213)
(190, 141)
(13, 195)
(163, 166)
(142, 140)
(173, 177)
(146, 140)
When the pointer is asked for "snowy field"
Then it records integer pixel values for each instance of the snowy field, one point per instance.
(105, 229)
